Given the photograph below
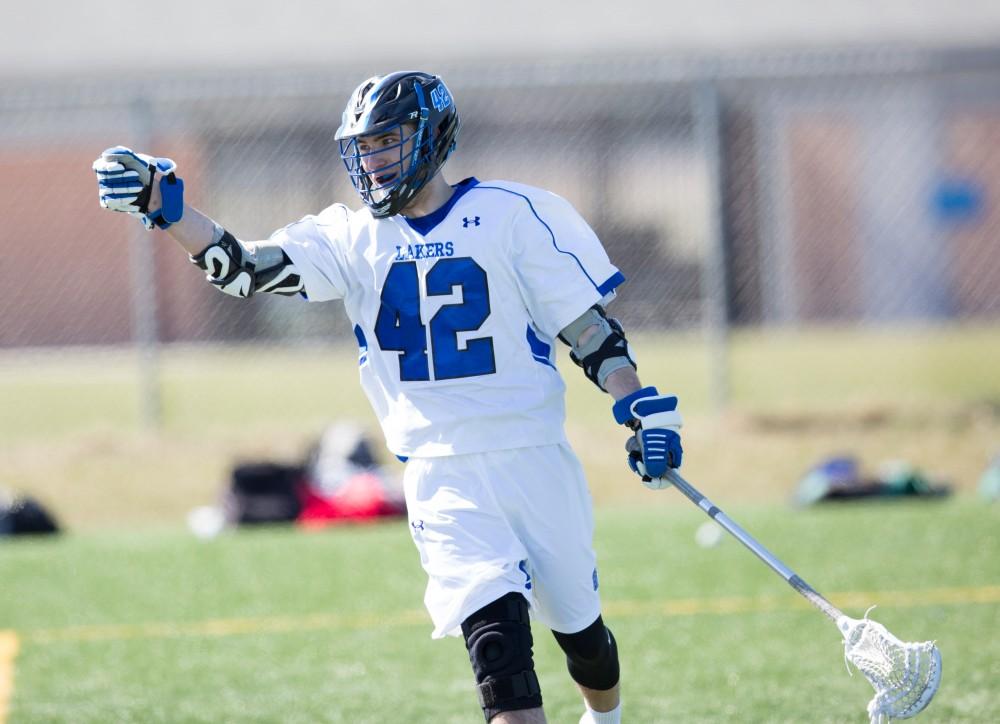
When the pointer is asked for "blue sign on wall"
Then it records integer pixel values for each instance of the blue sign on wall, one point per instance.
(958, 200)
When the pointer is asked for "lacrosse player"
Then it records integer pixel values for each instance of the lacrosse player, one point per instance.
(457, 294)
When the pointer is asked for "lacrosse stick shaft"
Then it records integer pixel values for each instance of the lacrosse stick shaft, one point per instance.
(731, 527)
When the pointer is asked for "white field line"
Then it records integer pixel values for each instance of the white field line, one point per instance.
(614, 609)
(9, 645)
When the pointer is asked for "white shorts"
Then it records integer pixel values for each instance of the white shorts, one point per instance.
(495, 522)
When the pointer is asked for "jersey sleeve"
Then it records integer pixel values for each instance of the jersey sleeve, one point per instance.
(560, 264)
(316, 246)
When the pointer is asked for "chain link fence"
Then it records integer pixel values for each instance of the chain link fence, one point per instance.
(852, 187)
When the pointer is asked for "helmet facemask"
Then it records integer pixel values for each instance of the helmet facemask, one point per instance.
(379, 186)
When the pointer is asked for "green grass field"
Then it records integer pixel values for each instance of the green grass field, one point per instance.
(279, 626)
(127, 618)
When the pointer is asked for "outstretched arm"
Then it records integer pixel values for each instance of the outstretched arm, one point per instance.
(148, 188)
(194, 231)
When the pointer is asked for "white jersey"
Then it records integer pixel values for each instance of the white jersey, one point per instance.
(456, 313)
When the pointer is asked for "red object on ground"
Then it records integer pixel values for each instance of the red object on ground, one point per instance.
(361, 498)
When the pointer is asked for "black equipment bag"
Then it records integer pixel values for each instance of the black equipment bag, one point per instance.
(26, 516)
(264, 492)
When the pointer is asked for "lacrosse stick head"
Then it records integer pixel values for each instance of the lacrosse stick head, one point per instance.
(905, 675)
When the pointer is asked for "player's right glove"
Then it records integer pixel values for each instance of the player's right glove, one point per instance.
(125, 183)
(656, 443)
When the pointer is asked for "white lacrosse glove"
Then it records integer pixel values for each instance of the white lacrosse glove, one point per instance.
(656, 444)
(125, 183)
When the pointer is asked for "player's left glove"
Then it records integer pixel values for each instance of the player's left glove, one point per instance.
(656, 444)
(125, 183)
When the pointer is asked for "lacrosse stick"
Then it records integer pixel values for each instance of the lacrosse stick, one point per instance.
(905, 676)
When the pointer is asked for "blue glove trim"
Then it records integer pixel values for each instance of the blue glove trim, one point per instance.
(657, 448)
(172, 191)
(622, 409)
(114, 182)
(661, 404)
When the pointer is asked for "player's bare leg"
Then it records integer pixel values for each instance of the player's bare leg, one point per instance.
(524, 716)
(601, 701)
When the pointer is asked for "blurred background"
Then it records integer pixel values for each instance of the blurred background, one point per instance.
(805, 201)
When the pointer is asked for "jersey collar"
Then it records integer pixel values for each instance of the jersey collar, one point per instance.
(423, 225)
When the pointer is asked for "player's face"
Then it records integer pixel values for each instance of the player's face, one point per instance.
(383, 155)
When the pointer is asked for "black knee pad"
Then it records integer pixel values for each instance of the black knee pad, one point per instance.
(591, 656)
(498, 637)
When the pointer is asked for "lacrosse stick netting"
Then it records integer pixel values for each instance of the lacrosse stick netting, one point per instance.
(905, 676)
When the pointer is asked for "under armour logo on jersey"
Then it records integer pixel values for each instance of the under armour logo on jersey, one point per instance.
(417, 525)
(467, 222)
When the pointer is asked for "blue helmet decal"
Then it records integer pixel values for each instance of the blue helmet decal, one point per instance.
(440, 97)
